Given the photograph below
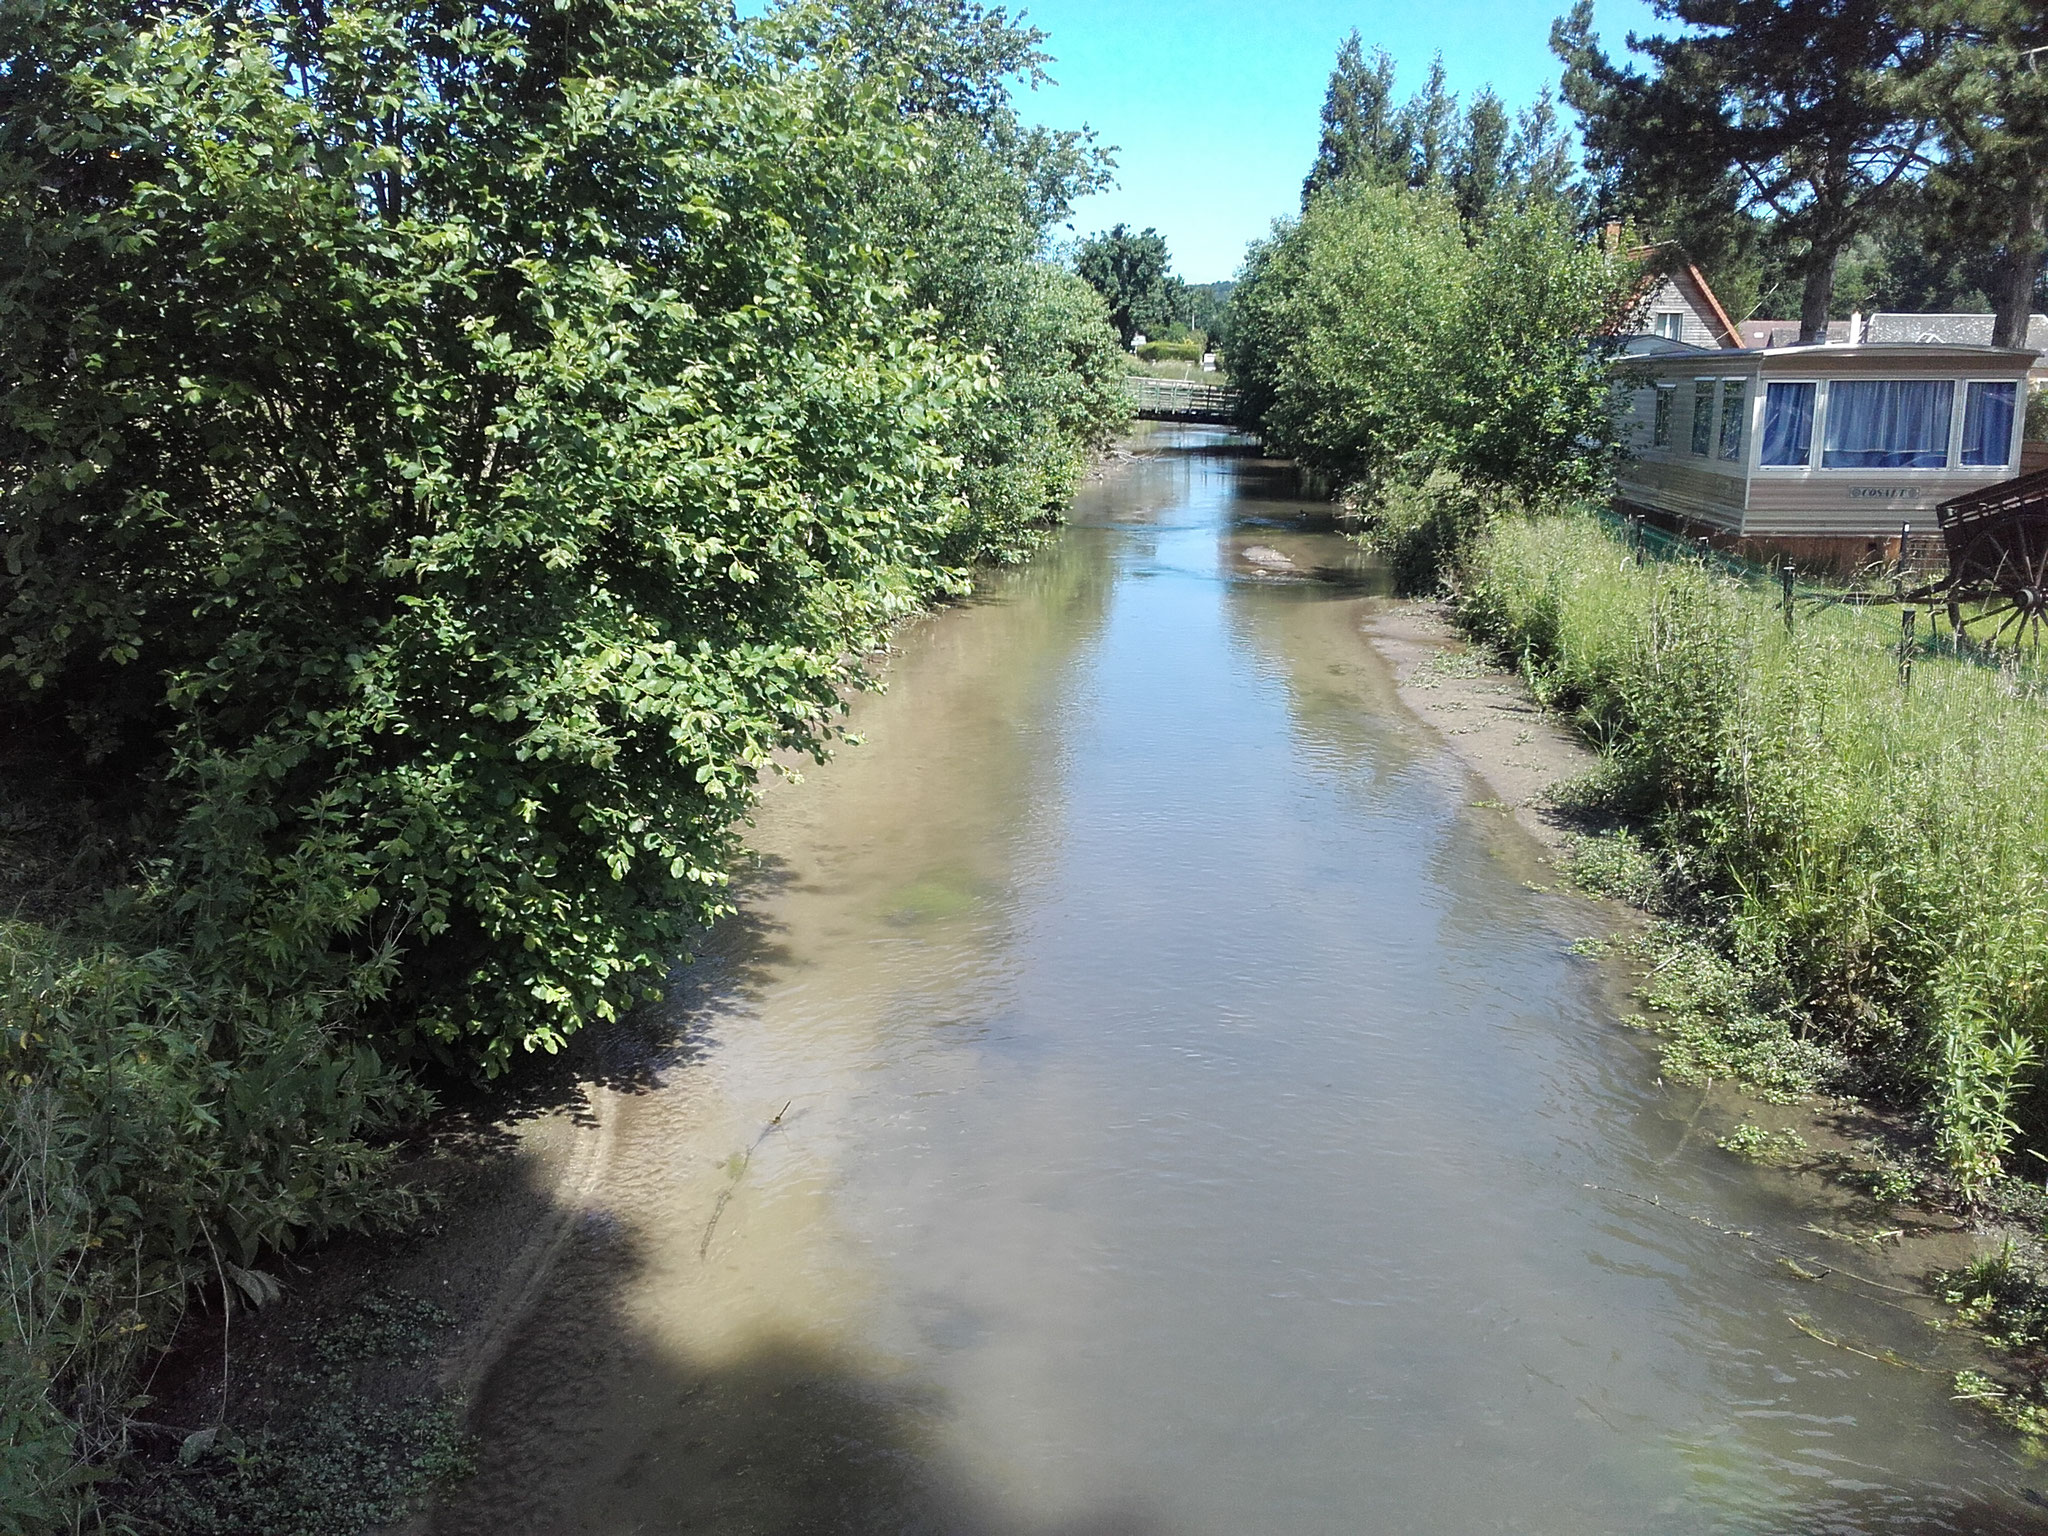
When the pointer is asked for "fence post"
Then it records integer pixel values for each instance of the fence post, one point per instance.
(1906, 618)
(1785, 581)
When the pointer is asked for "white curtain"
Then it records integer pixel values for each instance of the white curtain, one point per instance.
(1888, 423)
(1788, 423)
(1987, 424)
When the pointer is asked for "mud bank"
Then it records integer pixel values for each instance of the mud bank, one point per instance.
(1483, 712)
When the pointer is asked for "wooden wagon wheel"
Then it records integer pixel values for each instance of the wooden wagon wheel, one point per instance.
(2005, 571)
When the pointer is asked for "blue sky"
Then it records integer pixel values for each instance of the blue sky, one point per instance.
(1214, 104)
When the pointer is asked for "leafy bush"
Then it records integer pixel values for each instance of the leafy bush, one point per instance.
(446, 453)
(1878, 855)
(1422, 527)
(1171, 351)
(1753, 1144)
(1345, 328)
(1379, 338)
(157, 1130)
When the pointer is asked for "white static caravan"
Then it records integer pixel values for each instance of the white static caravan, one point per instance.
(1825, 447)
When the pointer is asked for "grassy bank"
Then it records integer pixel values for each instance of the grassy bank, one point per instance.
(1868, 856)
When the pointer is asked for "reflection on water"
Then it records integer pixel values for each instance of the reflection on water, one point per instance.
(1142, 1095)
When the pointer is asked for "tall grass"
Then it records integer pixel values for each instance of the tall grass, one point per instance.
(1877, 851)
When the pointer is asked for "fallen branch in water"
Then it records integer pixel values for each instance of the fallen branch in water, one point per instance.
(739, 1172)
(1883, 1357)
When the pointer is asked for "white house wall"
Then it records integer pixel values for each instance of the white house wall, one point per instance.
(1694, 328)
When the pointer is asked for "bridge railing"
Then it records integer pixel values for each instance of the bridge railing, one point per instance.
(1181, 397)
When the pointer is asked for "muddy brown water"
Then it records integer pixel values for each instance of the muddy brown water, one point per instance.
(1145, 1094)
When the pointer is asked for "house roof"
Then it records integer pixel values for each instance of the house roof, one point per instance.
(1770, 333)
(1677, 265)
(1949, 329)
(1938, 359)
(1881, 327)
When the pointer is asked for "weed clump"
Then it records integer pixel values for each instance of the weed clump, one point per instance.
(1421, 527)
(1753, 1144)
(1618, 864)
(1863, 865)
(337, 1457)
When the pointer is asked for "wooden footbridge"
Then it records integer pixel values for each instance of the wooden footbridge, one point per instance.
(1181, 400)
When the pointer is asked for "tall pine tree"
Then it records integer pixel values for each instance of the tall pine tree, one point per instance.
(1362, 132)
(1802, 109)
(1988, 93)
(1483, 170)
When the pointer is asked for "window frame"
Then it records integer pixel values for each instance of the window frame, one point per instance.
(1813, 431)
(1822, 402)
(2014, 435)
(1663, 412)
(1700, 444)
(1741, 445)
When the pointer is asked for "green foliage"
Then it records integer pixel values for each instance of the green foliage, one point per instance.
(1134, 275)
(337, 1459)
(1345, 322)
(1481, 156)
(1379, 338)
(1619, 865)
(1171, 351)
(1364, 134)
(158, 1130)
(1892, 1179)
(1728, 1023)
(2005, 1292)
(448, 453)
(1421, 527)
(1753, 1144)
(506, 548)
(1208, 310)
(1985, 89)
(1874, 858)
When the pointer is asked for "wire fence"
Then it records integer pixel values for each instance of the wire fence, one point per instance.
(1648, 541)
(1856, 601)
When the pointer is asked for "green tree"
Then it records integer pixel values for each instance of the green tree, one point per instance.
(1543, 165)
(1377, 338)
(1483, 171)
(446, 452)
(1132, 272)
(1362, 132)
(1795, 107)
(1429, 127)
(1989, 96)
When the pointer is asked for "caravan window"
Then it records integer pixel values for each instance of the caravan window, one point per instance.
(1888, 423)
(1703, 416)
(1660, 436)
(1788, 424)
(1987, 424)
(1734, 392)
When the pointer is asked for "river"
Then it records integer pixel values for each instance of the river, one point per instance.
(1147, 1091)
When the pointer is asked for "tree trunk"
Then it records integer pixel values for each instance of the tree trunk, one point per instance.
(2014, 305)
(1818, 293)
